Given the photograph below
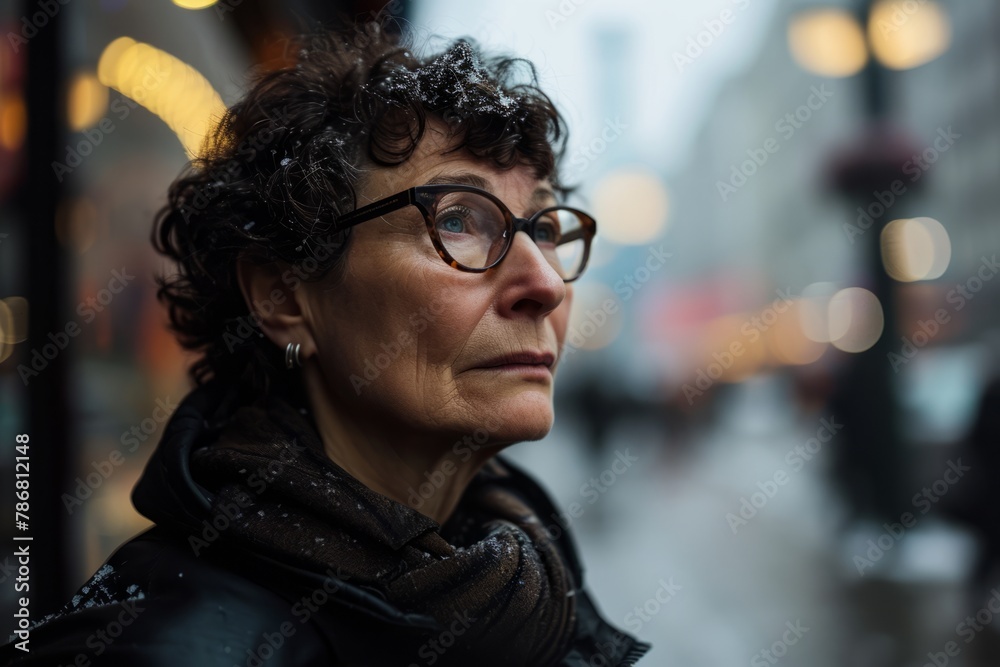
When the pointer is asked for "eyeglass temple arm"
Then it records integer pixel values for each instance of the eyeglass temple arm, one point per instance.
(572, 236)
(381, 207)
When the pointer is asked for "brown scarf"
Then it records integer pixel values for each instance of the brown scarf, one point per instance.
(491, 567)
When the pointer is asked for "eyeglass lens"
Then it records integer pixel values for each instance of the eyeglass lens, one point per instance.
(471, 228)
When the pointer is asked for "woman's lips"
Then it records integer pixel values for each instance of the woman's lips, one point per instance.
(534, 370)
(541, 359)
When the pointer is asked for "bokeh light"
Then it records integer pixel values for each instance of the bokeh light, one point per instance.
(14, 320)
(908, 34)
(194, 4)
(726, 354)
(631, 206)
(828, 42)
(787, 342)
(87, 101)
(915, 249)
(13, 121)
(856, 319)
(168, 87)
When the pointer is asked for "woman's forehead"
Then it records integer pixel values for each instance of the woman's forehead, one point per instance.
(459, 167)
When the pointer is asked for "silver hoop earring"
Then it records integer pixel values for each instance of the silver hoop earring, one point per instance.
(292, 356)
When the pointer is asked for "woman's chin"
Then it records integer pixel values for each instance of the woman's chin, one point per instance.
(526, 415)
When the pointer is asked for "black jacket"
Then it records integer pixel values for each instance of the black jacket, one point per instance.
(156, 603)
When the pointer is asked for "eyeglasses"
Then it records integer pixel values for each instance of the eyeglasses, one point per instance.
(472, 230)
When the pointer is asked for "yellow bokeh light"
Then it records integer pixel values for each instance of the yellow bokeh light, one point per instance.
(915, 249)
(726, 353)
(828, 42)
(166, 86)
(5, 325)
(631, 206)
(13, 122)
(908, 34)
(15, 319)
(786, 341)
(194, 4)
(856, 319)
(107, 64)
(87, 101)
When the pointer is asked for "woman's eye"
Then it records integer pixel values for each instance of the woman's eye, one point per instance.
(455, 221)
(546, 232)
(453, 224)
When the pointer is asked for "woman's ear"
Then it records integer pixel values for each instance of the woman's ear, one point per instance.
(274, 303)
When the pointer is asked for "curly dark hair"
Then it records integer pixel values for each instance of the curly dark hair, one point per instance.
(283, 163)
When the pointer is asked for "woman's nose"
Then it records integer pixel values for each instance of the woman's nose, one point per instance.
(534, 283)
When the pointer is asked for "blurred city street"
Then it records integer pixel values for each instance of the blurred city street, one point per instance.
(739, 581)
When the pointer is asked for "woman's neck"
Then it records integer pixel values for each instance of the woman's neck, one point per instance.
(426, 473)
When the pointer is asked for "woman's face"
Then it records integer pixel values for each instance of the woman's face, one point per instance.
(412, 342)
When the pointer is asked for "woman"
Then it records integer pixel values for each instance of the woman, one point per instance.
(375, 330)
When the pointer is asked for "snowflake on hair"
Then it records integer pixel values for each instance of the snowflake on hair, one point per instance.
(456, 79)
